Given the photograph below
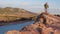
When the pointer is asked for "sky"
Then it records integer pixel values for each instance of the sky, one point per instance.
(30, 5)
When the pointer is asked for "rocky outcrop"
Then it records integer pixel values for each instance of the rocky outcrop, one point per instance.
(43, 25)
(25, 32)
(57, 32)
(13, 32)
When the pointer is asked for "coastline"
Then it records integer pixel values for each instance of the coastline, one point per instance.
(13, 22)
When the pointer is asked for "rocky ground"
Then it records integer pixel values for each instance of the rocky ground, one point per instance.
(44, 25)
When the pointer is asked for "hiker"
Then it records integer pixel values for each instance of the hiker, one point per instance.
(46, 7)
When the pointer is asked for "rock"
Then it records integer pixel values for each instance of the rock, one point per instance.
(47, 31)
(32, 28)
(29, 32)
(42, 25)
(25, 32)
(57, 32)
(13, 32)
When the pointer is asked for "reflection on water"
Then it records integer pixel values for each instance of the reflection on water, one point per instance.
(6, 28)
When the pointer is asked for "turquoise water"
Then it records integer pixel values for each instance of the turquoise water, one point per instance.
(6, 28)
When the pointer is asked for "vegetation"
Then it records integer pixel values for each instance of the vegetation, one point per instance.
(10, 14)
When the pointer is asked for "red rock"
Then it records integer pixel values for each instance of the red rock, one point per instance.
(57, 32)
(47, 31)
(25, 32)
(13, 32)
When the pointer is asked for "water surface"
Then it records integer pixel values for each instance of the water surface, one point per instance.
(6, 28)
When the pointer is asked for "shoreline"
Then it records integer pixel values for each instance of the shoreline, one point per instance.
(13, 22)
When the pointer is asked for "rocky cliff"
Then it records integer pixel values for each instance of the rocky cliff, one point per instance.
(44, 24)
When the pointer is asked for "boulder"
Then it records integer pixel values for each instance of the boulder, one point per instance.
(25, 32)
(47, 30)
(13, 32)
(57, 32)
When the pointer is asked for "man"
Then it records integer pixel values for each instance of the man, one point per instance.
(46, 6)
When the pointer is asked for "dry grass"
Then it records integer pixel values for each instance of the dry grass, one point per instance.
(10, 14)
